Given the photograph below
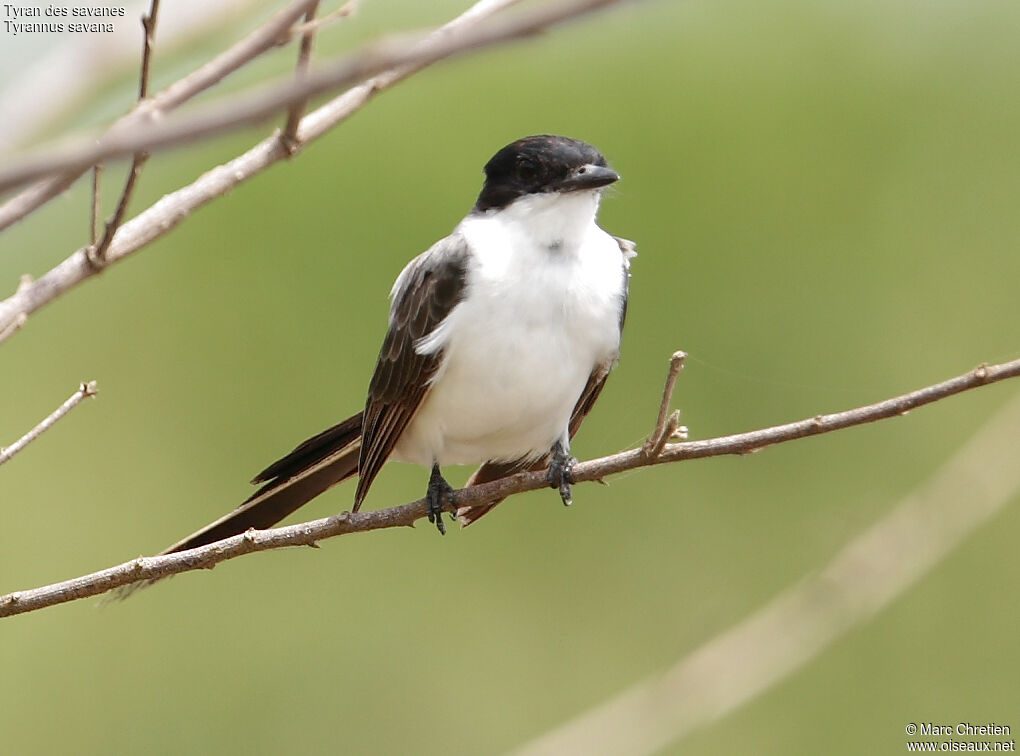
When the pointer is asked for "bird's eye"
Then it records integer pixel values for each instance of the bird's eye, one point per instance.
(582, 169)
(527, 171)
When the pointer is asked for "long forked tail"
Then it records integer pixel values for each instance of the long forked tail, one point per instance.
(315, 466)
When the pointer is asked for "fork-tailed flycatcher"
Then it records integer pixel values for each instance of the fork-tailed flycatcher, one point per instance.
(500, 340)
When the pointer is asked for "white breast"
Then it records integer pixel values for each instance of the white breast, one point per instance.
(541, 311)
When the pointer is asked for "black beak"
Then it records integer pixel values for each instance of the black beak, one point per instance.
(587, 177)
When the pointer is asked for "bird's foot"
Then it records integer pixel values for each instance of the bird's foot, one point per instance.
(561, 466)
(439, 493)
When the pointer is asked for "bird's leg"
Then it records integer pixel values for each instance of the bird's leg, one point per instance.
(560, 466)
(439, 492)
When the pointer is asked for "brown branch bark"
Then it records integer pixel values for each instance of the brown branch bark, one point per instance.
(310, 533)
(666, 425)
(94, 210)
(297, 110)
(238, 111)
(85, 391)
(162, 217)
(273, 32)
(314, 25)
(97, 251)
(12, 325)
(800, 623)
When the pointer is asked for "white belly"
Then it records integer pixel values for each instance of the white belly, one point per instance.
(518, 350)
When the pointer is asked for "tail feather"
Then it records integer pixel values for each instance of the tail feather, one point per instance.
(312, 451)
(313, 467)
(494, 471)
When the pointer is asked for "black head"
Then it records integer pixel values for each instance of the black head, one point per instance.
(542, 164)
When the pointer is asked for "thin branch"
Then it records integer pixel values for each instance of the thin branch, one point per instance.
(97, 175)
(16, 322)
(310, 533)
(84, 391)
(804, 620)
(269, 35)
(73, 71)
(15, 325)
(162, 217)
(313, 25)
(297, 110)
(272, 33)
(97, 252)
(31, 199)
(149, 32)
(235, 112)
(665, 426)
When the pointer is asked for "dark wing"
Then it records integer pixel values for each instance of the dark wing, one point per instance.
(315, 466)
(425, 293)
(596, 382)
(629, 251)
(310, 453)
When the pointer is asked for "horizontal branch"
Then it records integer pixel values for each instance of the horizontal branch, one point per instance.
(310, 533)
(237, 111)
(805, 619)
(84, 391)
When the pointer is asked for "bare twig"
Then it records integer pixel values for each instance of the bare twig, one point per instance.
(31, 199)
(310, 533)
(272, 33)
(84, 391)
(313, 25)
(794, 628)
(165, 215)
(289, 135)
(149, 32)
(16, 324)
(97, 174)
(242, 110)
(73, 71)
(665, 425)
(96, 255)
(17, 320)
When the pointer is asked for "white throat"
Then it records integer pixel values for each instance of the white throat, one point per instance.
(544, 291)
(553, 221)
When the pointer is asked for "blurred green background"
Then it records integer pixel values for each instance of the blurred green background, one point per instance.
(825, 198)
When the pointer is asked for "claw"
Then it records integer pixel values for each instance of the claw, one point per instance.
(439, 492)
(560, 466)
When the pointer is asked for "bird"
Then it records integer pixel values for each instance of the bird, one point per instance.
(500, 339)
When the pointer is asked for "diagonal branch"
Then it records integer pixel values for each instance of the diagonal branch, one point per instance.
(314, 24)
(11, 325)
(272, 33)
(804, 620)
(245, 109)
(84, 391)
(310, 533)
(162, 217)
